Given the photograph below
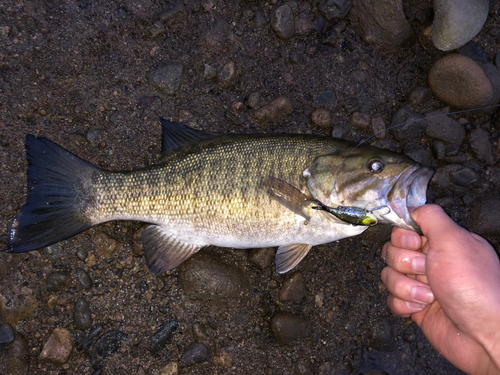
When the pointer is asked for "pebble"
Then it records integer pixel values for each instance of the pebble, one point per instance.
(321, 118)
(7, 335)
(457, 21)
(262, 258)
(420, 155)
(360, 120)
(58, 347)
(419, 95)
(304, 24)
(205, 275)
(479, 140)
(58, 281)
(14, 359)
(460, 82)
(382, 337)
(107, 344)
(282, 21)
(253, 99)
(293, 289)
(445, 129)
(82, 314)
(215, 39)
(171, 369)
(275, 111)
(334, 10)
(223, 359)
(167, 77)
(378, 127)
(438, 150)
(17, 302)
(454, 178)
(84, 278)
(495, 177)
(328, 97)
(200, 332)
(195, 353)
(484, 216)
(414, 128)
(163, 335)
(209, 72)
(465, 176)
(339, 131)
(82, 253)
(174, 14)
(105, 244)
(287, 327)
(227, 74)
(137, 247)
(382, 24)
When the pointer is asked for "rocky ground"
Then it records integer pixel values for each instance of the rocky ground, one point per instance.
(95, 77)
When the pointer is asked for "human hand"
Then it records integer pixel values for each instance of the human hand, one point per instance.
(451, 289)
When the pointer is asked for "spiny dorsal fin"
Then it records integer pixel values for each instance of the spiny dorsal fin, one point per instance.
(287, 257)
(175, 135)
(164, 252)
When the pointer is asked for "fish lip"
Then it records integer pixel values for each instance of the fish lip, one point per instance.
(408, 193)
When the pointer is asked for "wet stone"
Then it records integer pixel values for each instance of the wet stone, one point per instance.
(7, 335)
(334, 9)
(205, 275)
(82, 253)
(167, 77)
(195, 353)
(414, 128)
(14, 359)
(107, 344)
(282, 21)
(58, 281)
(262, 258)
(479, 140)
(445, 129)
(84, 278)
(82, 315)
(382, 336)
(293, 289)
(278, 109)
(58, 347)
(171, 369)
(287, 327)
(484, 216)
(360, 121)
(163, 335)
(106, 245)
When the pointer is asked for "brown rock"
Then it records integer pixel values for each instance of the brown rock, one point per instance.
(378, 126)
(275, 111)
(16, 303)
(106, 245)
(58, 347)
(287, 327)
(321, 118)
(293, 289)
(262, 258)
(460, 82)
(282, 21)
(137, 247)
(360, 121)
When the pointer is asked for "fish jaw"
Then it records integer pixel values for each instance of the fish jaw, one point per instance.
(406, 195)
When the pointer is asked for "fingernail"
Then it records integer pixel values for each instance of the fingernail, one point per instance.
(409, 241)
(418, 264)
(422, 294)
(415, 306)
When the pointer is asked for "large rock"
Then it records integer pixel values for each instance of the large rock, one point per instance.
(381, 23)
(444, 128)
(282, 21)
(460, 82)
(287, 327)
(457, 21)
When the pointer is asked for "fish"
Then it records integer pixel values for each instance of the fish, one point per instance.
(227, 190)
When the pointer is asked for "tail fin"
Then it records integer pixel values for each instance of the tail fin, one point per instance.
(52, 211)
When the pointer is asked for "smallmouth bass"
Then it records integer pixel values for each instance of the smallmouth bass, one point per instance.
(239, 191)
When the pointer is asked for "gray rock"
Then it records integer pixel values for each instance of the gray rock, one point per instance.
(304, 24)
(414, 128)
(209, 73)
(82, 314)
(293, 289)
(262, 258)
(163, 335)
(438, 150)
(107, 344)
(382, 336)
(328, 97)
(14, 360)
(494, 76)
(195, 353)
(167, 77)
(227, 74)
(419, 95)
(420, 155)
(454, 178)
(58, 281)
(282, 21)
(479, 140)
(339, 131)
(174, 14)
(82, 253)
(278, 109)
(58, 347)
(84, 278)
(457, 21)
(334, 9)
(460, 82)
(215, 39)
(253, 99)
(484, 216)
(445, 129)
(287, 327)
(7, 335)
(495, 177)
(382, 24)
(378, 127)
(206, 276)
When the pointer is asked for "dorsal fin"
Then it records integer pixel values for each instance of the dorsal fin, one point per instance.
(175, 135)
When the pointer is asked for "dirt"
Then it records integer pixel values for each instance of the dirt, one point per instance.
(75, 72)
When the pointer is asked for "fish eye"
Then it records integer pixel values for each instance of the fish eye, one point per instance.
(375, 165)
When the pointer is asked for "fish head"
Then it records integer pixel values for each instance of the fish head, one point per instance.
(386, 183)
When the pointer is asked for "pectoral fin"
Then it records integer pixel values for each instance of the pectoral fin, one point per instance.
(287, 257)
(164, 252)
(289, 196)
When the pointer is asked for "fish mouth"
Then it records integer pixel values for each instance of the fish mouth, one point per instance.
(408, 193)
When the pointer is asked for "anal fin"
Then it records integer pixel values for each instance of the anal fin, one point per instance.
(287, 257)
(164, 252)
